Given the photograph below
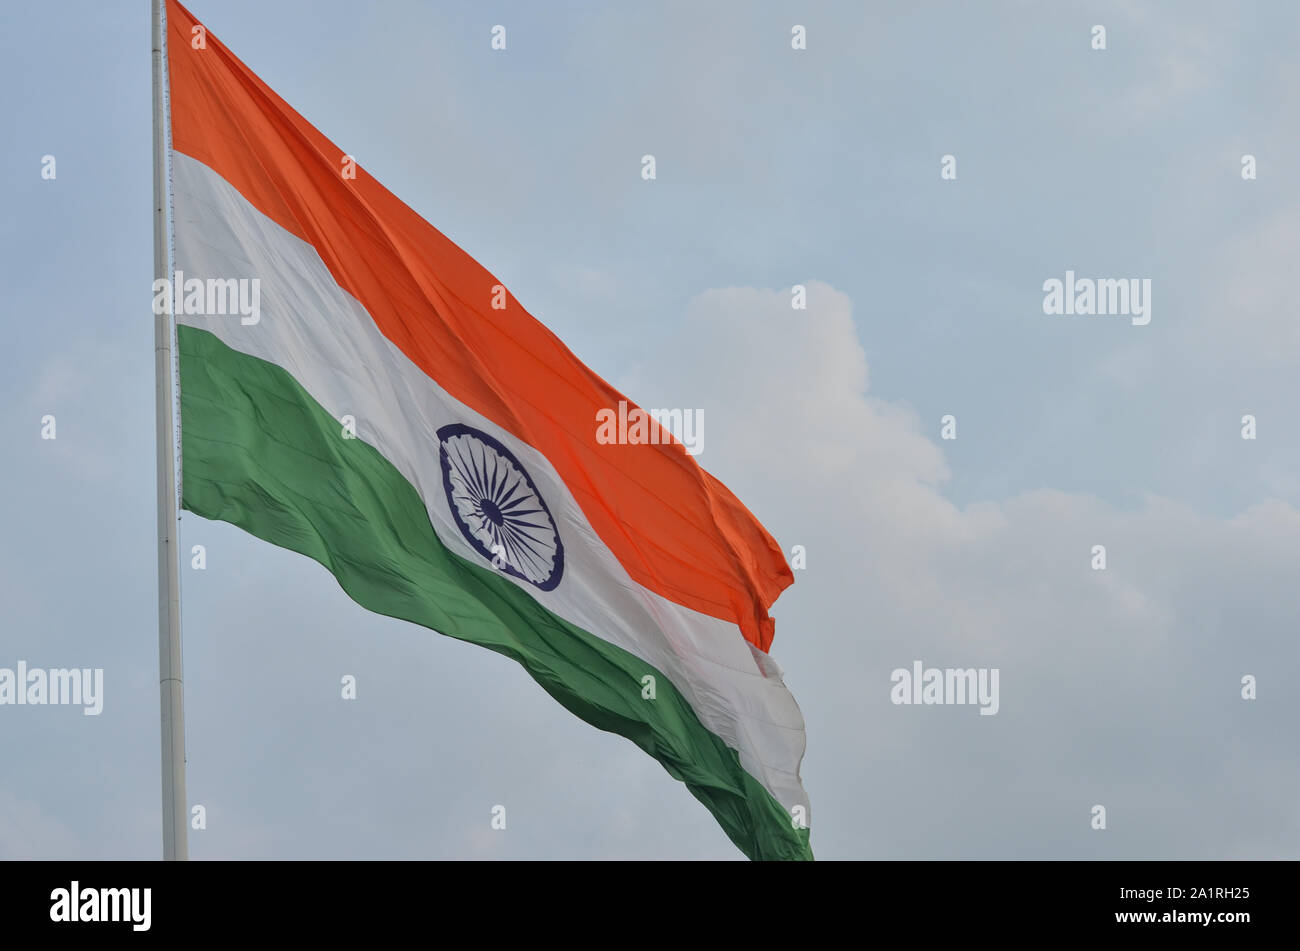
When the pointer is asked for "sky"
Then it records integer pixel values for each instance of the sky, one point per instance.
(1120, 688)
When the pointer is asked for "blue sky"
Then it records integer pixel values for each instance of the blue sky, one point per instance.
(775, 167)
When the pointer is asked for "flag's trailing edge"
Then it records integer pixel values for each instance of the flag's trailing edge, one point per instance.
(474, 500)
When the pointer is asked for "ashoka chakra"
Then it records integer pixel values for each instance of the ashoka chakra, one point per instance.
(498, 508)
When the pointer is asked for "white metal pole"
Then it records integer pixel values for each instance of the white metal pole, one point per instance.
(170, 686)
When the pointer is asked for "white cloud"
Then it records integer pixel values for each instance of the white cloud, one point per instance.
(1109, 679)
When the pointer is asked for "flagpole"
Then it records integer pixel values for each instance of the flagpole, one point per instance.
(170, 686)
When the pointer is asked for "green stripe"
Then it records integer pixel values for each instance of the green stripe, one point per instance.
(260, 453)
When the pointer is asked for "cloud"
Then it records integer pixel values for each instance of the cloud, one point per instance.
(1119, 687)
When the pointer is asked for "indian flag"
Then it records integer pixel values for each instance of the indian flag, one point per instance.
(390, 410)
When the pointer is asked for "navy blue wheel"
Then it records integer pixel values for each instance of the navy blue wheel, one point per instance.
(498, 508)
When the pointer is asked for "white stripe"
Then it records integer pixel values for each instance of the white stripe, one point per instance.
(322, 336)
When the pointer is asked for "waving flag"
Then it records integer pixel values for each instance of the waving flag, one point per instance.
(356, 388)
